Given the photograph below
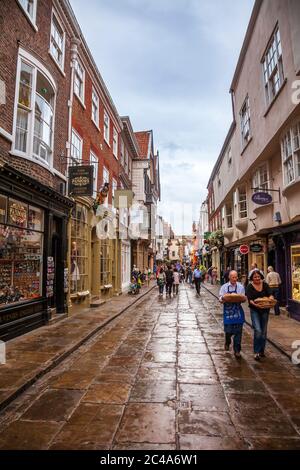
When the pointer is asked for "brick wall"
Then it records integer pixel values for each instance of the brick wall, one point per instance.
(15, 31)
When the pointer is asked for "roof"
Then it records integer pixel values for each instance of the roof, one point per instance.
(143, 139)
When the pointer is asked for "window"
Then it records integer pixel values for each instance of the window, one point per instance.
(104, 262)
(115, 142)
(21, 251)
(35, 113)
(122, 152)
(106, 127)
(29, 6)
(126, 160)
(95, 108)
(295, 253)
(245, 122)
(229, 156)
(57, 42)
(114, 189)
(79, 249)
(261, 178)
(290, 151)
(94, 162)
(273, 68)
(105, 175)
(229, 221)
(76, 148)
(242, 203)
(79, 81)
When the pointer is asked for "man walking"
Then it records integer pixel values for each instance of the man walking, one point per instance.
(169, 280)
(273, 279)
(197, 278)
(233, 313)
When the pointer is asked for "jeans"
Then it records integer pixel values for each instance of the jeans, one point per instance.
(169, 288)
(198, 285)
(161, 288)
(175, 288)
(275, 291)
(235, 330)
(260, 325)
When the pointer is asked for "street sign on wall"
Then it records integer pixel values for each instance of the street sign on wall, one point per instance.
(256, 248)
(244, 249)
(262, 198)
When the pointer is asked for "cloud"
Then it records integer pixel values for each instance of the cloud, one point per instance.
(168, 65)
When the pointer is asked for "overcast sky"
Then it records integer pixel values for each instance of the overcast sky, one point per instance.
(168, 64)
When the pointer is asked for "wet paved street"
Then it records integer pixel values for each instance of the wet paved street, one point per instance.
(158, 378)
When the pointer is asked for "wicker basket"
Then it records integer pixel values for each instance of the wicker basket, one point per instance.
(265, 302)
(233, 298)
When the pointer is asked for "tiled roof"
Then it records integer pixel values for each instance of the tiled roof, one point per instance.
(143, 141)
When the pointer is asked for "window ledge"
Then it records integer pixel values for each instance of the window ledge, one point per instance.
(291, 186)
(6, 135)
(57, 64)
(28, 17)
(96, 125)
(246, 145)
(107, 143)
(80, 100)
(259, 208)
(275, 98)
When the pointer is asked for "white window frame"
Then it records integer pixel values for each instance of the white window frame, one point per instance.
(106, 127)
(32, 19)
(105, 180)
(62, 64)
(259, 181)
(81, 98)
(242, 213)
(245, 120)
(272, 66)
(229, 156)
(94, 161)
(114, 189)
(228, 215)
(95, 102)
(290, 154)
(122, 152)
(115, 142)
(76, 160)
(25, 57)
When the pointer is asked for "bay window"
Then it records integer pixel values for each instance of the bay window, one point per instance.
(261, 179)
(290, 151)
(34, 119)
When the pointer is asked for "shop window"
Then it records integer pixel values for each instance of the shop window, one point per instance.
(104, 263)
(79, 249)
(295, 252)
(21, 251)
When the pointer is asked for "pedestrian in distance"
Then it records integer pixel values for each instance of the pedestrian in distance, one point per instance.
(214, 276)
(273, 279)
(169, 280)
(226, 275)
(258, 289)
(197, 275)
(233, 313)
(161, 281)
(176, 276)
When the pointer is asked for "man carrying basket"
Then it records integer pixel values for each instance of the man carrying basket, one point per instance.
(231, 295)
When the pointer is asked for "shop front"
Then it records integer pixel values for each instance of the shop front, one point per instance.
(33, 270)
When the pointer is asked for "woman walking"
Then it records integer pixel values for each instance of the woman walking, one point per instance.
(257, 289)
(161, 280)
(176, 277)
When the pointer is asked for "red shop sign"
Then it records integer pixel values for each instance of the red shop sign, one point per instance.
(244, 249)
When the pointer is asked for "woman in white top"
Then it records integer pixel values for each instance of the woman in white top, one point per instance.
(176, 281)
(273, 279)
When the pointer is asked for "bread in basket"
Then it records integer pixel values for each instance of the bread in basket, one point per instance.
(265, 302)
(233, 298)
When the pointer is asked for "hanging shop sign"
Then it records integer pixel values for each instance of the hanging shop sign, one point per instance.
(262, 198)
(256, 248)
(81, 180)
(244, 249)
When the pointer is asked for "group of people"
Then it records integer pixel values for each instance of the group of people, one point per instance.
(169, 278)
(257, 287)
(138, 279)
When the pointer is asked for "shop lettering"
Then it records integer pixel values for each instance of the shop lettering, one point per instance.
(296, 353)
(110, 460)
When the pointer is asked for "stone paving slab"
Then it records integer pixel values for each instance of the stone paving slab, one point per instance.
(32, 355)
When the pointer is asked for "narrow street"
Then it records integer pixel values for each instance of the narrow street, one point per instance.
(157, 377)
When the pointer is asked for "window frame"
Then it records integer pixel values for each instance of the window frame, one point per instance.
(75, 160)
(81, 99)
(94, 93)
(31, 19)
(106, 128)
(257, 180)
(31, 61)
(228, 215)
(240, 202)
(245, 123)
(62, 65)
(95, 164)
(278, 66)
(115, 143)
(290, 154)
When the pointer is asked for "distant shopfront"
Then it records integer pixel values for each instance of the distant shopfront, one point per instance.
(33, 250)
